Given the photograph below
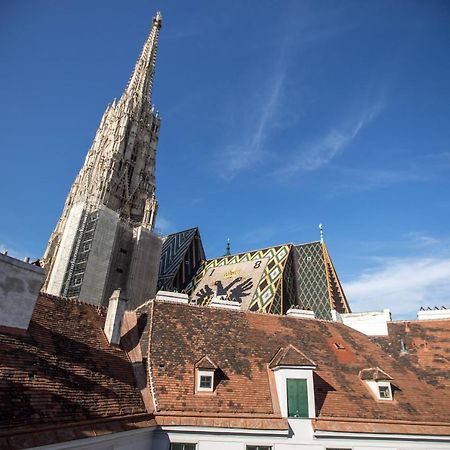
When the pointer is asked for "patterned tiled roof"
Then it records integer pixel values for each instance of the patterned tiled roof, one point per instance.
(280, 277)
(242, 344)
(254, 278)
(317, 285)
(174, 254)
(62, 371)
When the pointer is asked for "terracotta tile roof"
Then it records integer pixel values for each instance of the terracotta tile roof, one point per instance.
(290, 356)
(426, 348)
(205, 363)
(224, 422)
(242, 344)
(374, 374)
(381, 427)
(64, 371)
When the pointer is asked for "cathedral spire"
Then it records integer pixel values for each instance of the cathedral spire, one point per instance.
(111, 207)
(139, 88)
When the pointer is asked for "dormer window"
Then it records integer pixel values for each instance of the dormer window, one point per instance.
(293, 372)
(378, 382)
(204, 375)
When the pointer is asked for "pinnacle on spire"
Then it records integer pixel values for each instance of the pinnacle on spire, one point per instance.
(140, 85)
(228, 252)
(321, 232)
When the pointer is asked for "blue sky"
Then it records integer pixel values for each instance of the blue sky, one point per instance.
(276, 116)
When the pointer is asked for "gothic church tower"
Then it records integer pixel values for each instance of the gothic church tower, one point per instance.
(104, 239)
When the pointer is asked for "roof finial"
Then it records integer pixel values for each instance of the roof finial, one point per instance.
(228, 253)
(321, 232)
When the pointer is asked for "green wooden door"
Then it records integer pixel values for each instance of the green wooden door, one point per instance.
(297, 394)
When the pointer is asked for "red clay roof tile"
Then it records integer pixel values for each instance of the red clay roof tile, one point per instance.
(242, 344)
(64, 370)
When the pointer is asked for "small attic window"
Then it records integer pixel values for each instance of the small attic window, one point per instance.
(204, 375)
(385, 392)
(339, 346)
(378, 382)
(205, 381)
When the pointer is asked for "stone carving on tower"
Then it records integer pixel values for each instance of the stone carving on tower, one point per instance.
(104, 239)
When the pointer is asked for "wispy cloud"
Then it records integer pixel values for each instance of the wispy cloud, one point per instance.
(356, 179)
(163, 225)
(239, 156)
(421, 240)
(317, 154)
(402, 285)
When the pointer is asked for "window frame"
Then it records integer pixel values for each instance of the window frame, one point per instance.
(258, 447)
(384, 384)
(183, 444)
(204, 373)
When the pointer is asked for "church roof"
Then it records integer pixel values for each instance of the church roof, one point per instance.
(64, 372)
(173, 250)
(317, 283)
(243, 344)
(181, 255)
(280, 277)
(254, 279)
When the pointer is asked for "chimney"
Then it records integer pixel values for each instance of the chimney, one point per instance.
(20, 284)
(114, 316)
(336, 317)
(300, 313)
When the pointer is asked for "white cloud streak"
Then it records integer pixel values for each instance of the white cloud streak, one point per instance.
(163, 225)
(241, 156)
(322, 151)
(402, 285)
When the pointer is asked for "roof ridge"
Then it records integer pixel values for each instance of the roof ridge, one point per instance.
(250, 251)
(182, 231)
(74, 300)
(234, 311)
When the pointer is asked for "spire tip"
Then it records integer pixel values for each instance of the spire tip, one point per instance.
(157, 19)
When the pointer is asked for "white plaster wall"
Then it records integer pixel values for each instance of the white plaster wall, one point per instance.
(55, 283)
(369, 323)
(301, 436)
(434, 314)
(128, 440)
(20, 283)
(281, 375)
